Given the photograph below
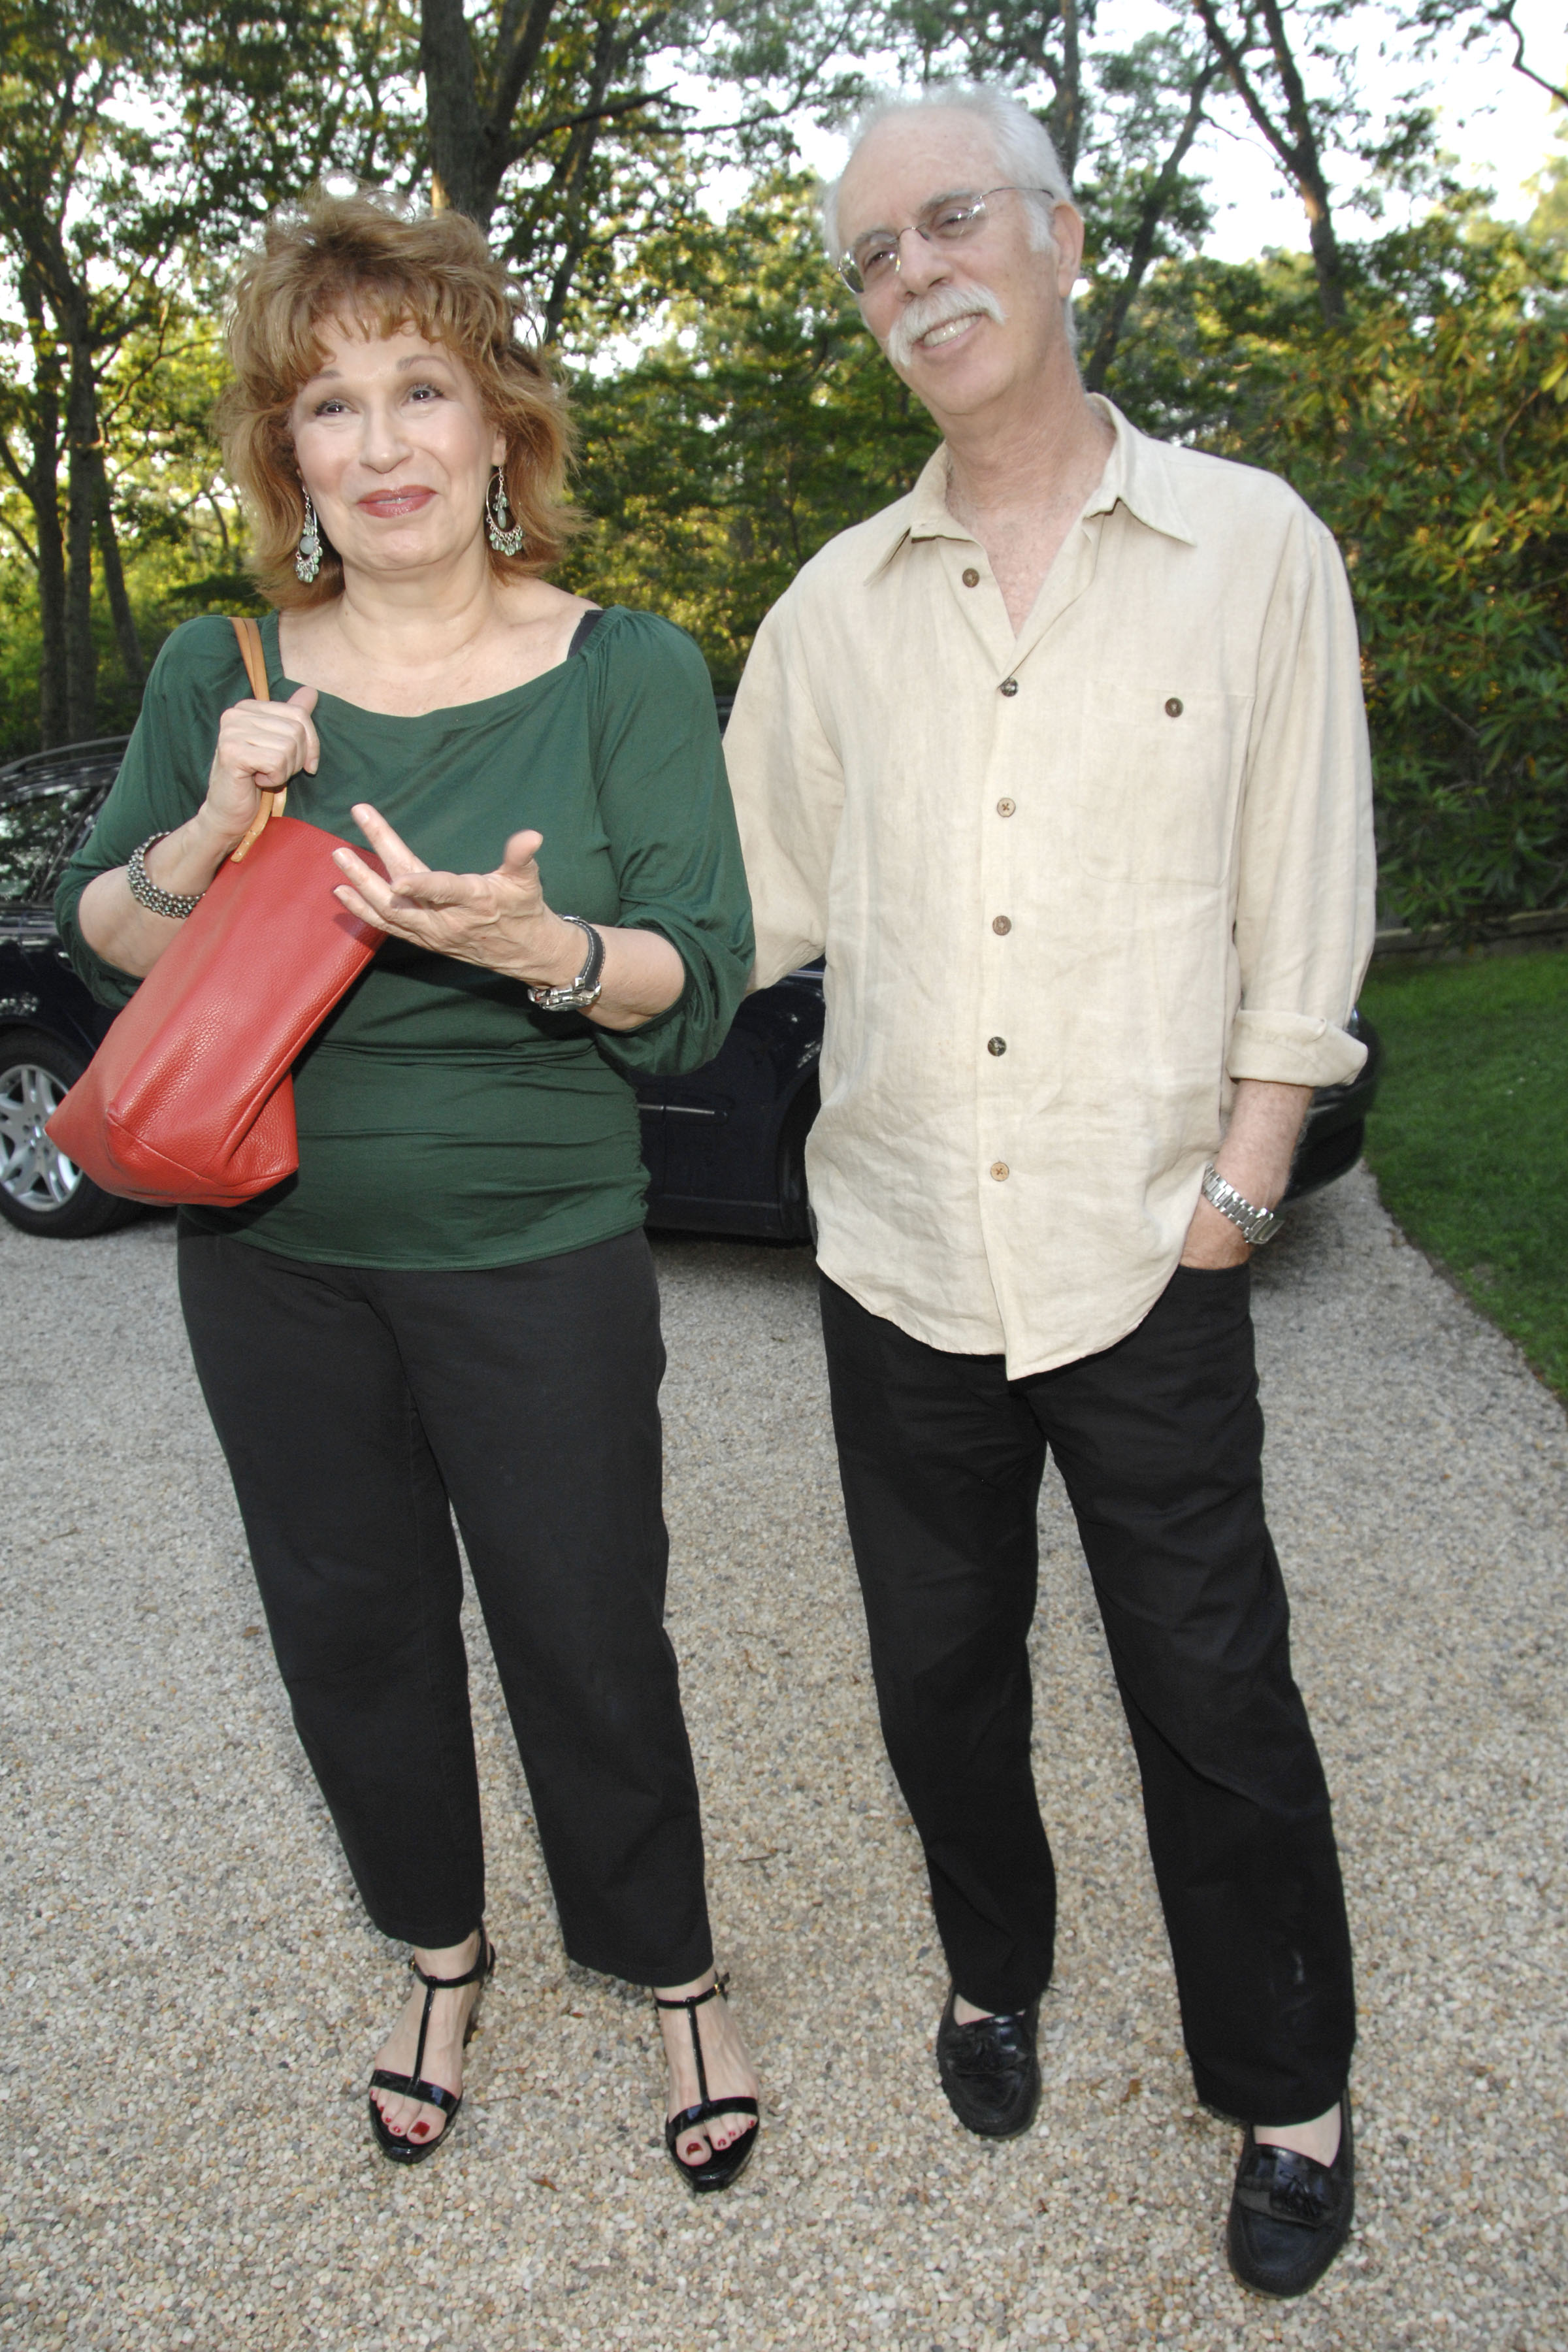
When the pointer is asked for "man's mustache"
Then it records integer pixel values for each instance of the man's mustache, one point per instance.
(935, 309)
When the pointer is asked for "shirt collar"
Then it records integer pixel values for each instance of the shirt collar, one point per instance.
(1138, 475)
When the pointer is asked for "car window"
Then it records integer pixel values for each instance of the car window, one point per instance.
(40, 824)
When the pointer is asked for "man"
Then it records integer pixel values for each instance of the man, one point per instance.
(1062, 761)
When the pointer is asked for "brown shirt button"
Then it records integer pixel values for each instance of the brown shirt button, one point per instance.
(1006, 808)
(1010, 686)
(1173, 707)
(1001, 925)
(1000, 1170)
(996, 1044)
(970, 577)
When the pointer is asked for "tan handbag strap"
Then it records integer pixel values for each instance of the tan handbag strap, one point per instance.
(255, 660)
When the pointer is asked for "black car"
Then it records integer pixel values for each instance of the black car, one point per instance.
(724, 1145)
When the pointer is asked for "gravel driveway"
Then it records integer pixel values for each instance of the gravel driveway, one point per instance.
(192, 1997)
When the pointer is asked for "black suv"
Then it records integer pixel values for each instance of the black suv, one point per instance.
(50, 1026)
(724, 1145)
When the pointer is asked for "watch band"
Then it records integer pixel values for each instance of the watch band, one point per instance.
(1256, 1226)
(584, 989)
(145, 891)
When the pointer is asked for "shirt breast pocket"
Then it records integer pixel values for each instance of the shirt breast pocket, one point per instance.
(1159, 774)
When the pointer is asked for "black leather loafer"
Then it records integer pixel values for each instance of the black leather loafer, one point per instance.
(1288, 2215)
(989, 2070)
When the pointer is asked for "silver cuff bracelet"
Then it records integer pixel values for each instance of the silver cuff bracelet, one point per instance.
(145, 891)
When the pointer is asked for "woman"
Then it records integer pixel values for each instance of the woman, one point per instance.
(451, 1310)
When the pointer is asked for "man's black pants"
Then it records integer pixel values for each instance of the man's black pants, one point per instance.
(1158, 1441)
(358, 1409)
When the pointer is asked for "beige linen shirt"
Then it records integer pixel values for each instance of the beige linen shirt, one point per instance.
(1072, 883)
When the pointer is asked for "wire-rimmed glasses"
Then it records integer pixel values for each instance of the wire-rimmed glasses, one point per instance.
(873, 260)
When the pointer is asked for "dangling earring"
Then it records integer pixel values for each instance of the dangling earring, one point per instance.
(307, 555)
(504, 535)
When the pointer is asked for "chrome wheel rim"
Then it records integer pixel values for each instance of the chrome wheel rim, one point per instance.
(34, 1172)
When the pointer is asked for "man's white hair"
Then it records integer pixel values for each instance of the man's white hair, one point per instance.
(1024, 152)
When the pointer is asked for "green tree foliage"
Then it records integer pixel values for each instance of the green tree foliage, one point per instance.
(555, 124)
(735, 413)
(764, 421)
(1549, 221)
(1426, 428)
(1431, 433)
(129, 135)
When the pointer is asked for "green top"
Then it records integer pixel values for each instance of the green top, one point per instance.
(442, 1120)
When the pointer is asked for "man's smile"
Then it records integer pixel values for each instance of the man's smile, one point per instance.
(949, 331)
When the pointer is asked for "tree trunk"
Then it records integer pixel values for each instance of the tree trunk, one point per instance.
(44, 498)
(1294, 142)
(1327, 258)
(470, 128)
(451, 108)
(1142, 248)
(82, 655)
(572, 177)
(1067, 110)
(125, 620)
(42, 487)
(1305, 162)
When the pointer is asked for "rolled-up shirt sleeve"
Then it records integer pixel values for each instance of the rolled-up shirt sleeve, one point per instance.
(1305, 909)
(788, 784)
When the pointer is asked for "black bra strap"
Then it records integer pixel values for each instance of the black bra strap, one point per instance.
(584, 630)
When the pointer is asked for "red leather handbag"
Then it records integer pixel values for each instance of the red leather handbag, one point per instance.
(190, 1096)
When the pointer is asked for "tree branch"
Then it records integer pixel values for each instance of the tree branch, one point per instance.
(1294, 142)
(1503, 14)
(1142, 251)
(611, 110)
(517, 54)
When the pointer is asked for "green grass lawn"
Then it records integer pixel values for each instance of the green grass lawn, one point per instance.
(1469, 1138)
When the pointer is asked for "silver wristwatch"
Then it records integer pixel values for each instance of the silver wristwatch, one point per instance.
(1256, 1226)
(584, 989)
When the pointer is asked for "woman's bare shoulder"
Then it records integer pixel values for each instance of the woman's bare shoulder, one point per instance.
(532, 603)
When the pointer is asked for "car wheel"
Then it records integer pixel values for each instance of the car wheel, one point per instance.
(41, 1189)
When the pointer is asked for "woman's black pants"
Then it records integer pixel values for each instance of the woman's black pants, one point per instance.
(359, 1411)
(1158, 1441)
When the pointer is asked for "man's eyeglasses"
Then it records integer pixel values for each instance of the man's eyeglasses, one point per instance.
(873, 260)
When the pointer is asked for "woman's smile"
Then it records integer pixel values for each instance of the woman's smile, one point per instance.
(408, 499)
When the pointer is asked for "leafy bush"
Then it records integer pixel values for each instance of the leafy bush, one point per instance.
(1432, 436)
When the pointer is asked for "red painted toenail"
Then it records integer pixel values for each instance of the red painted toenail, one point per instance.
(420, 2130)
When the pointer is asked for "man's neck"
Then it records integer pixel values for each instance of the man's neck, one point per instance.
(1019, 481)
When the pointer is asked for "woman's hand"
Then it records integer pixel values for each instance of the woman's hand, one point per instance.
(497, 920)
(500, 922)
(259, 746)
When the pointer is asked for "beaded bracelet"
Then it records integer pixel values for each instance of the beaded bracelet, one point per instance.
(145, 891)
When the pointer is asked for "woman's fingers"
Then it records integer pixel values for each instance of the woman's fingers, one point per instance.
(519, 854)
(357, 906)
(265, 743)
(304, 699)
(490, 919)
(411, 904)
(415, 888)
(394, 853)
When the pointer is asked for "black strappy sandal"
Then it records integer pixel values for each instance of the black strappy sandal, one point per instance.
(397, 2146)
(723, 2165)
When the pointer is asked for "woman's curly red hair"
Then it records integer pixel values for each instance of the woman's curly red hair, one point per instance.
(367, 259)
